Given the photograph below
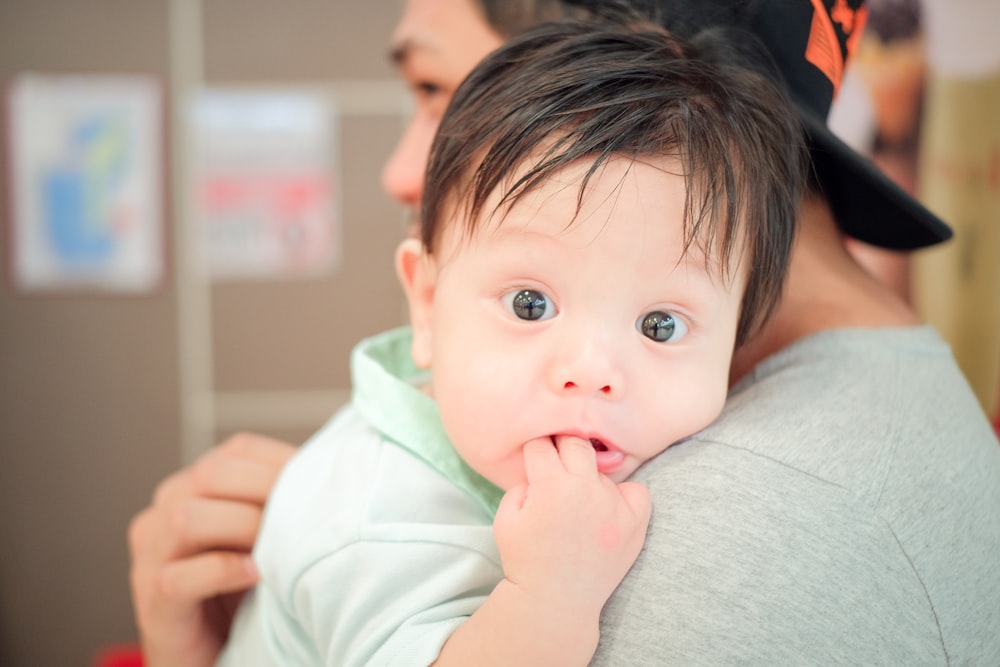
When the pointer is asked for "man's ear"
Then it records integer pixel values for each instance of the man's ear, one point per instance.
(417, 274)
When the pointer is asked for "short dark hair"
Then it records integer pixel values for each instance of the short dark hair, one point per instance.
(575, 89)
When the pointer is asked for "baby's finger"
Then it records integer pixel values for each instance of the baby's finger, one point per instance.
(577, 455)
(637, 498)
(513, 499)
(509, 511)
(541, 460)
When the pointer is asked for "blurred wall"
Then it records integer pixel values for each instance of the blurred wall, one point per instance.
(91, 414)
(957, 286)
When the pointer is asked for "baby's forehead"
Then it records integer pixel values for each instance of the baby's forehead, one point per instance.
(578, 203)
(578, 186)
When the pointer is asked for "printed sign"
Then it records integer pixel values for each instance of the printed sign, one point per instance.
(264, 184)
(86, 182)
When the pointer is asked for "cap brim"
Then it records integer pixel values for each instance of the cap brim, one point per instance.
(868, 205)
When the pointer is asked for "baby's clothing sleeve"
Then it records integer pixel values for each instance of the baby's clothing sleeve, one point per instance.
(395, 611)
(368, 556)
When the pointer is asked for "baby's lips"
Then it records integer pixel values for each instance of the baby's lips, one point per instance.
(598, 443)
(558, 438)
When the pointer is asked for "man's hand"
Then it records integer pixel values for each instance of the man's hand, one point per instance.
(190, 549)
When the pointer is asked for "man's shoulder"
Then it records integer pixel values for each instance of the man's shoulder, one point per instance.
(836, 403)
(884, 419)
(839, 483)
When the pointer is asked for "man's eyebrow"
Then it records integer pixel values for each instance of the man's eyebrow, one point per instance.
(398, 53)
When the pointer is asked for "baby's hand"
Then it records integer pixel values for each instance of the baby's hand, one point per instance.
(570, 534)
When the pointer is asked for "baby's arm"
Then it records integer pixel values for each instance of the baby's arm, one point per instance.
(566, 540)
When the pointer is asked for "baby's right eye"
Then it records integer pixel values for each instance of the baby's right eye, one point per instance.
(529, 304)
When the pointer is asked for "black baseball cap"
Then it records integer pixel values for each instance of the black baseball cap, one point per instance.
(810, 42)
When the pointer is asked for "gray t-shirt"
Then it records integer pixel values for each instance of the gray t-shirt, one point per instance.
(844, 509)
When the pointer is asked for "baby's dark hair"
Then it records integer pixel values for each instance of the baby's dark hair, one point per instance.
(579, 90)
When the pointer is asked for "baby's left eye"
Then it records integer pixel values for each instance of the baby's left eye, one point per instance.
(529, 304)
(661, 327)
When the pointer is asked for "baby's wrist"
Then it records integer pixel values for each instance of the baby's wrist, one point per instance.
(562, 615)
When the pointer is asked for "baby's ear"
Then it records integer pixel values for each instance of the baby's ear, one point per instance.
(417, 273)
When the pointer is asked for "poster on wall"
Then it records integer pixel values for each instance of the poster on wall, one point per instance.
(264, 183)
(85, 183)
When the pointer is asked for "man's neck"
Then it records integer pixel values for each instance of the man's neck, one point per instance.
(825, 289)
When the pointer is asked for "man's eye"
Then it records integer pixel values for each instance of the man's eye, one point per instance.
(430, 99)
(529, 304)
(425, 89)
(661, 327)
(428, 88)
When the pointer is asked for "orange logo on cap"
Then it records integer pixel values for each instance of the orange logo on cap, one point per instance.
(844, 15)
(825, 49)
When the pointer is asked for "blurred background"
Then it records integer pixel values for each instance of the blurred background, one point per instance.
(193, 236)
(922, 99)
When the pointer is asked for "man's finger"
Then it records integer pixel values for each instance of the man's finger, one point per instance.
(258, 447)
(244, 467)
(206, 575)
(208, 524)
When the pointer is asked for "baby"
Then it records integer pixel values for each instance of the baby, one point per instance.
(608, 211)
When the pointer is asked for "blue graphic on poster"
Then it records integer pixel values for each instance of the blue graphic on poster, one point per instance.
(78, 196)
(85, 173)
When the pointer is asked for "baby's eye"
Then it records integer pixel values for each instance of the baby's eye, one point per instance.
(529, 304)
(661, 327)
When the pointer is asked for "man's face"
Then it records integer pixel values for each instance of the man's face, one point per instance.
(435, 45)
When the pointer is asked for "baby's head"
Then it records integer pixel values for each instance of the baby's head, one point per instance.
(572, 91)
(607, 210)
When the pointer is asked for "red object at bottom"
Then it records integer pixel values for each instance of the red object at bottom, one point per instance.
(996, 422)
(121, 655)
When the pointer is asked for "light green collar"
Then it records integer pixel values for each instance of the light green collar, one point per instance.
(386, 392)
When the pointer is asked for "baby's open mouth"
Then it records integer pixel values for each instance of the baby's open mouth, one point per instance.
(608, 458)
(596, 443)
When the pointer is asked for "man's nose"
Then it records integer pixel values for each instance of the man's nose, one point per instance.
(403, 173)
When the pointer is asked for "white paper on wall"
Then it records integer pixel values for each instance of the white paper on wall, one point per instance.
(86, 182)
(264, 183)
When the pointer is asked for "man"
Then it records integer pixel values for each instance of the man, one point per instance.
(844, 508)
